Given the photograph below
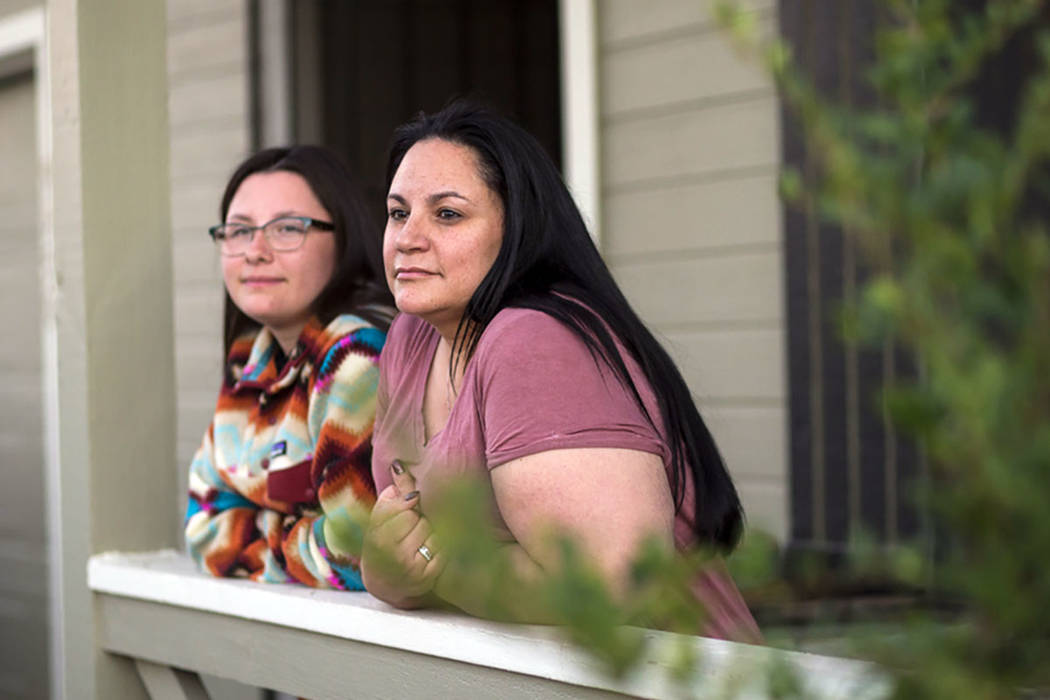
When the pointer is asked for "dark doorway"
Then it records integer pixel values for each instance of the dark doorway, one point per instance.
(364, 66)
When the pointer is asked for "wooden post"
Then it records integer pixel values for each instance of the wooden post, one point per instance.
(113, 311)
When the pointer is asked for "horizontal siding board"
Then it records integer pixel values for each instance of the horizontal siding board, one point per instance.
(23, 570)
(201, 270)
(217, 124)
(729, 288)
(18, 219)
(211, 44)
(189, 439)
(721, 137)
(204, 346)
(731, 364)
(196, 254)
(24, 639)
(196, 205)
(752, 439)
(22, 515)
(199, 318)
(189, 444)
(201, 370)
(222, 97)
(188, 240)
(198, 403)
(651, 75)
(197, 416)
(201, 401)
(621, 20)
(692, 216)
(765, 505)
(23, 458)
(212, 153)
(182, 13)
(20, 308)
(198, 375)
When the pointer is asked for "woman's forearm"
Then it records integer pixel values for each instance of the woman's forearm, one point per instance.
(484, 594)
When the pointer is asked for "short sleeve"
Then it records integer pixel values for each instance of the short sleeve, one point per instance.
(539, 388)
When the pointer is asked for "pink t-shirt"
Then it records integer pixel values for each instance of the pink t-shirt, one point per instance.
(531, 386)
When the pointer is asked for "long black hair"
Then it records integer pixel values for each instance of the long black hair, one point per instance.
(358, 285)
(548, 262)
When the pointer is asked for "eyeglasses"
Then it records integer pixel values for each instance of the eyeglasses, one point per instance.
(284, 234)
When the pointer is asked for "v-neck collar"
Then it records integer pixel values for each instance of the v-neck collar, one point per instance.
(261, 371)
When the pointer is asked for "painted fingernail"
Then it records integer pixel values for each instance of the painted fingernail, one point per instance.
(397, 467)
(411, 494)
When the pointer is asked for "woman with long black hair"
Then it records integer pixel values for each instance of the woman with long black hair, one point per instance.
(517, 358)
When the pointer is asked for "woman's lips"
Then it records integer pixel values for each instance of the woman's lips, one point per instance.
(411, 273)
(260, 281)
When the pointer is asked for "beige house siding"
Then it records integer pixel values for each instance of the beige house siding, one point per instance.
(208, 76)
(691, 222)
(209, 113)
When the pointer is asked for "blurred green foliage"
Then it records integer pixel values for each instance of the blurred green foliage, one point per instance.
(952, 216)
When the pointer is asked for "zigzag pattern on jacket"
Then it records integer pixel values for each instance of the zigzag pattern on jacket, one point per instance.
(283, 477)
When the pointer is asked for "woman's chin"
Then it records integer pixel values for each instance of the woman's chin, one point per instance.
(270, 318)
(434, 317)
(264, 317)
(412, 307)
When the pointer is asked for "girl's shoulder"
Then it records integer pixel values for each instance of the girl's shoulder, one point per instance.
(349, 329)
(345, 324)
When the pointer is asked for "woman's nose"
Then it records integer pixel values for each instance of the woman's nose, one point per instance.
(258, 247)
(411, 235)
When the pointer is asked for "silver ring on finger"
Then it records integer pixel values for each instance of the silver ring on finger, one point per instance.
(424, 551)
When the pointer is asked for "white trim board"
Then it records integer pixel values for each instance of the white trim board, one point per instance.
(579, 106)
(170, 578)
(22, 31)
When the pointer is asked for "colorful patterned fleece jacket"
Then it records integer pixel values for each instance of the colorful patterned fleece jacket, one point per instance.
(282, 481)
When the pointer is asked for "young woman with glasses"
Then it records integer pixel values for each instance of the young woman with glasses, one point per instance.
(283, 474)
(517, 360)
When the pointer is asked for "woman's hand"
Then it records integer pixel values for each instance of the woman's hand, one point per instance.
(400, 562)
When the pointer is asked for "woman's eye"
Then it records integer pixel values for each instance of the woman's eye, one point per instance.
(240, 232)
(448, 215)
(396, 214)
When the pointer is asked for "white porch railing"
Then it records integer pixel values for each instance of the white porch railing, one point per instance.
(175, 622)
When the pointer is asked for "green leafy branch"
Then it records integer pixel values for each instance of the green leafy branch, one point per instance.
(951, 215)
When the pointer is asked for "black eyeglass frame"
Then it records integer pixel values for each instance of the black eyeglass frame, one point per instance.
(218, 236)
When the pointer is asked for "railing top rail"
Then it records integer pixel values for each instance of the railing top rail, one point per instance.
(170, 578)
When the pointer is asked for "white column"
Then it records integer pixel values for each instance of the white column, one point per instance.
(112, 311)
(579, 106)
